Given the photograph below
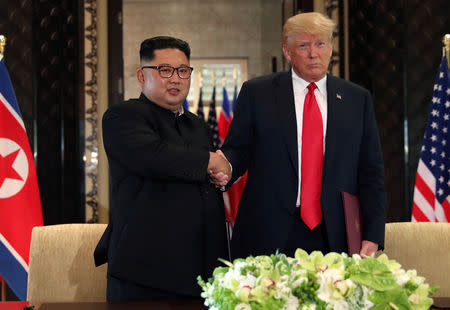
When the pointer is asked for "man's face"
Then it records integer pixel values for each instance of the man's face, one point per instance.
(168, 93)
(309, 55)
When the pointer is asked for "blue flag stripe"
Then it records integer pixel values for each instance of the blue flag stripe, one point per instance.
(13, 272)
(226, 103)
(186, 105)
(6, 88)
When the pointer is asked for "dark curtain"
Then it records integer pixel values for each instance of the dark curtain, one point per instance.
(395, 50)
(44, 55)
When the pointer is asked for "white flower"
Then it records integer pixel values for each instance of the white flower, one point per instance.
(356, 257)
(291, 303)
(401, 277)
(339, 305)
(282, 292)
(243, 292)
(344, 286)
(322, 266)
(414, 299)
(234, 276)
(249, 280)
(414, 277)
(326, 280)
(243, 306)
(266, 282)
(282, 288)
(299, 282)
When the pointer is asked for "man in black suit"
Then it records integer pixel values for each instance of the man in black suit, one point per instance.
(167, 221)
(302, 148)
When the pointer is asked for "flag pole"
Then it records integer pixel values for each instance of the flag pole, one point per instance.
(2, 282)
(228, 232)
(214, 78)
(446, 47)
(2, 44)
(227, 225)
(213, 99)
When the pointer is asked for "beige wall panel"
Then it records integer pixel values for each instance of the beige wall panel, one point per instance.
(103, 176)
(214, 28)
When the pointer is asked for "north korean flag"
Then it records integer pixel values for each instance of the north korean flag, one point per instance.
(20, 204)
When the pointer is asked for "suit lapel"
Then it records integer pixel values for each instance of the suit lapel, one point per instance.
(285, 101)
(334, 98)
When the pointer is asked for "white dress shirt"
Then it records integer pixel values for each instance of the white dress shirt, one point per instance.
(300, 90)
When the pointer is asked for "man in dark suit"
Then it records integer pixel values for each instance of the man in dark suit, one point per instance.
(304, 136)
(167, 221)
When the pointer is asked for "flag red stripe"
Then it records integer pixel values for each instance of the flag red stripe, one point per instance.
(418, 214)
(426, 192)
(432, 178)
(446, 207)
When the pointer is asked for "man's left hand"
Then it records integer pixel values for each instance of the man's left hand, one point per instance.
(368, 248)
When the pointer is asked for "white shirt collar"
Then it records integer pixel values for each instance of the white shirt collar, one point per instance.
(180, 111)
(321, 84)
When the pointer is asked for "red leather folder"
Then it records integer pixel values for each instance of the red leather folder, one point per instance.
(353, 222)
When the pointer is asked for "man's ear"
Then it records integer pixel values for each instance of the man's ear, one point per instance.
(286, 52)
(140, 76)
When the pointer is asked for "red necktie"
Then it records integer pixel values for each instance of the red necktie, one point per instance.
(312, 161)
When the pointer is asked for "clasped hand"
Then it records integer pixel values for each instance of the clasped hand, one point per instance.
(219, 169)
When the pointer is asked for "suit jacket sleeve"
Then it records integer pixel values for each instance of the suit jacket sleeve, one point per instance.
(237, 144)
(131, 138)
(371, 189)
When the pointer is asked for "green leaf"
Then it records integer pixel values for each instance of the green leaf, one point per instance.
(220, 270)
(433, 290)
(393, 299)
(268, 304)
(356, 300)
(372, 273)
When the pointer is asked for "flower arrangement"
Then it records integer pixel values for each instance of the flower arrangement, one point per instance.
(315, 281)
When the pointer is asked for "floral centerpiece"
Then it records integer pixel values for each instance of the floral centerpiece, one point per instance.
(315, 281)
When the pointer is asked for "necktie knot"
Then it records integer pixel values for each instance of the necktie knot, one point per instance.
(312, 86)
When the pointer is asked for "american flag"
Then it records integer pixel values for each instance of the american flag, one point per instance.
(212, 121)
(233, 104)
(432, 188)
(200, 112)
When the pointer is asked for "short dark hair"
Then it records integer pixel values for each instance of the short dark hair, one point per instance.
(148, 46)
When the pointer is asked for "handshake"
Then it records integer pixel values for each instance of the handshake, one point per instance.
(219, 169)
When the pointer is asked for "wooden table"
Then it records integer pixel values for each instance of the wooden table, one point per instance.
(13, 305)
(148, 305)
(440, 303)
